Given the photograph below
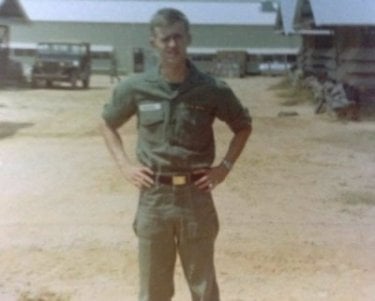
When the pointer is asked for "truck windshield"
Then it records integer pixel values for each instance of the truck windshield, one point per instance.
(60, 49)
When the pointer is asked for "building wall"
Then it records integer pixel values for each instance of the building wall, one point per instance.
(126, 37)
(356, 58)
(241, 36)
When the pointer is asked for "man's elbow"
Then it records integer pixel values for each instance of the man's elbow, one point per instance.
(246, 131)
(104, 128)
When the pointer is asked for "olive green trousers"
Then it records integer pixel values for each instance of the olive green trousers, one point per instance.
(176, 221)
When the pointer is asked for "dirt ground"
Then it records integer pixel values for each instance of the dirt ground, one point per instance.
(297, 212)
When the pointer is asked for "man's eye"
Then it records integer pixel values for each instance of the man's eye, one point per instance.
(174, 37)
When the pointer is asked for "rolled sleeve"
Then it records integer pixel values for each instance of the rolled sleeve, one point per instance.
(231, 110)
(121, 105)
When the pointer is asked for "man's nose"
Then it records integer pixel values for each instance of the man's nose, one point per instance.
(172, 42)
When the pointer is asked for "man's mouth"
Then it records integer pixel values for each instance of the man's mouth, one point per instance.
(172, 53)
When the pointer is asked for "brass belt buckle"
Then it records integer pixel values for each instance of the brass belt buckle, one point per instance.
(178, 180)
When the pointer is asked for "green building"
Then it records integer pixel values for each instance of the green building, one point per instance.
(121, 27)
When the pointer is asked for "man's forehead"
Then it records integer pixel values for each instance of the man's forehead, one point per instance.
(165, 30)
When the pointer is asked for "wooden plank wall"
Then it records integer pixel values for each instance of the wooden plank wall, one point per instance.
(356, 57)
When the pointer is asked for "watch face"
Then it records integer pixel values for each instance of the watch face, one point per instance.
(228, 165)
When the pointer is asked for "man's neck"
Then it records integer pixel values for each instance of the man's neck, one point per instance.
(174, 73)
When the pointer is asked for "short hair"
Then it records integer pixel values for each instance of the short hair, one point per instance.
(168, 16)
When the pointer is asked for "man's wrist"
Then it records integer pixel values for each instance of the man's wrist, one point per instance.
(227, 164)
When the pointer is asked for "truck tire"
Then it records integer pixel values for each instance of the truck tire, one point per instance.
(34, 83)
(73, 80)
(86, 83)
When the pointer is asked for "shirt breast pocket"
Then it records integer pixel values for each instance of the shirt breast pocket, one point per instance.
(194, 127)
(151, 123)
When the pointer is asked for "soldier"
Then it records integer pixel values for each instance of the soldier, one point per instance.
(176, 106)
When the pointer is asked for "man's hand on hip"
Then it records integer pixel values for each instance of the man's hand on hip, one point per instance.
(212, 178)
(139, 176)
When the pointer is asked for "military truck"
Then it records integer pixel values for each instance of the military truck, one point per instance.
(67, 62)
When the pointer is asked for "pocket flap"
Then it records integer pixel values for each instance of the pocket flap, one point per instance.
(151, 113)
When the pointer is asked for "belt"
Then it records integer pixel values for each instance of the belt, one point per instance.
(177, 179)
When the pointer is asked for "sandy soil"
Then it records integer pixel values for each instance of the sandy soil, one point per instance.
(297, 213)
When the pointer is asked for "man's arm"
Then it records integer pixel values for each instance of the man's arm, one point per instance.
(140, 176)
(217, 174)
(236, 146)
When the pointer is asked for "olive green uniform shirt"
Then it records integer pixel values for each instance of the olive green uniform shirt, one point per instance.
(175, 125)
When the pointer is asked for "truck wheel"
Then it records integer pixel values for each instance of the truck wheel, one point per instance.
(34, 83)
(73, 80)
(86, 83)
(49, 84)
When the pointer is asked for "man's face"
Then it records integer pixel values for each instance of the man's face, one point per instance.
(171, 42)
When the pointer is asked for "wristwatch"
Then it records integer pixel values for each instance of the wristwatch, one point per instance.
(227, 164)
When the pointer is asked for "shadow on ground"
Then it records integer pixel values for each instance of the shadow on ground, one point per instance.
(9, 129)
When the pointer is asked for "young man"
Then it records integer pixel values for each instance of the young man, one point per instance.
(175, 105)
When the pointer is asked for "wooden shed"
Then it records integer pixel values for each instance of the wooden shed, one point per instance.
(318, 53)
(352, 25)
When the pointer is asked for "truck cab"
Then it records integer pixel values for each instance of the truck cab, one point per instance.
(68, 62)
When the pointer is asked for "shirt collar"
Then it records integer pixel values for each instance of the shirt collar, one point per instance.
(195, 76)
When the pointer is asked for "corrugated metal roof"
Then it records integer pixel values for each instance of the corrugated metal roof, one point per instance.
(343, 12)
(112, 11)
(285, 16)
(255, 51)
(33, 46)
